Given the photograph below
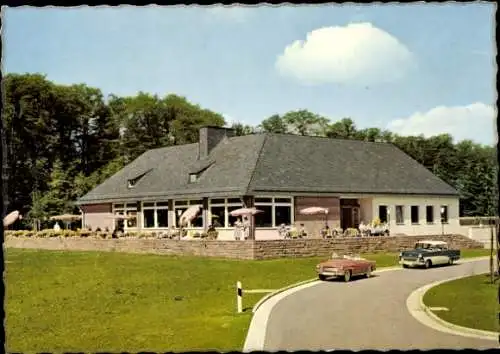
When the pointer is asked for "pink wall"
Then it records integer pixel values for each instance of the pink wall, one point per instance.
(98, 215)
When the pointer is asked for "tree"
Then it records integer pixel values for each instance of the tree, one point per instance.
(241, 129)
(274, 124)
(344, 129)
(303, 122)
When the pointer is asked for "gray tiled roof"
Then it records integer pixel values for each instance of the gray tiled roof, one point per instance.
(271, 162)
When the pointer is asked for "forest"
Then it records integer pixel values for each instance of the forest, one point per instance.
(60, 141)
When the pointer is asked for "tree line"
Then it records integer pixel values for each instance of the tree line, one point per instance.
(60, 141)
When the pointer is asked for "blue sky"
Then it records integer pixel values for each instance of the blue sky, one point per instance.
(410, 68)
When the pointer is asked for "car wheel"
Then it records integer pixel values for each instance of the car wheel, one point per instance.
(405, 266)
(347, 276)
(428, 264)
(369, 272)
(321, 277)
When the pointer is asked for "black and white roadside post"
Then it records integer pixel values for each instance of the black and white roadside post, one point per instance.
(239, 297)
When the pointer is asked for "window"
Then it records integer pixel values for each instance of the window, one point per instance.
(276, 211)
(382, 213)
(180, 206)
(264, 219)
(162, 217)
(149, 218)
(130, 210)
(282, 215)
(414, 214)
(444, 214)
(193, 177)
(220, 209)
(429, 214)
(400, 218)
(154, 215)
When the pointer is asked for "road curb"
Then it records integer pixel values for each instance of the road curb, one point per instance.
(254, 340)
(261, 311)
(424, 315)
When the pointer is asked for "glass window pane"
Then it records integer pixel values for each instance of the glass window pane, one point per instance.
(218, 216)
(234, 201)
(444, 213)
(283, 215)
(178, 213)
(217, 201)
(119, 206)
(414, 214)
(429, 214)
(196, 202)
(399, 214)
(283, 200)
(263, 200)
(264, 219)
(149, 218)
(149, 204)
(181, 202)
(198, 220)
(382, 213)
(162, 215)
(232, 219)
(132, 222)
(162, 204)
(131, 205)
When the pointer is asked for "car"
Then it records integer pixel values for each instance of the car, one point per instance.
(345, 267)
(428, 253)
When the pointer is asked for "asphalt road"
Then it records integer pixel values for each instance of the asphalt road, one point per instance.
(365, 314)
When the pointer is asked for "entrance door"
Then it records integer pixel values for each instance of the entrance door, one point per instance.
(346, 220)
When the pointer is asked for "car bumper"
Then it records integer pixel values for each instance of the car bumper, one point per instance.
(330, 273)
(411, 263)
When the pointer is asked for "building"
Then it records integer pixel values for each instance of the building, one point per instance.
(279, 174)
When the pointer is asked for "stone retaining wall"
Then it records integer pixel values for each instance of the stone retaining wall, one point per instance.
(320, 247)
(258, 249)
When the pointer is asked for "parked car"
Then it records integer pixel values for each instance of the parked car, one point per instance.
(345, 267)
(428, 253)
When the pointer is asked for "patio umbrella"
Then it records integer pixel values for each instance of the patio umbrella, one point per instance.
(10, 218)
(315, 211)
(121, 217)
(190, 214)
(245, 212)
(66, 217)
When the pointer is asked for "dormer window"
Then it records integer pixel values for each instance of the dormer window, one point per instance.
(133, 181)
(193, 177)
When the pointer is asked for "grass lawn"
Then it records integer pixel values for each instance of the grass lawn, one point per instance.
(472, 302)
(95, 302)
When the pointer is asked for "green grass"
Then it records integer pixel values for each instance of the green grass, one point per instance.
(91, 301)
(472, 302)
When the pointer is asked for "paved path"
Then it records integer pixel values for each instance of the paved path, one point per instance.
(364, 314)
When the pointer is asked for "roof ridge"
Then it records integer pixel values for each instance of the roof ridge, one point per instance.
(257, 160)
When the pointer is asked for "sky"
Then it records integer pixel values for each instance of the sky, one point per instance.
(410, 68)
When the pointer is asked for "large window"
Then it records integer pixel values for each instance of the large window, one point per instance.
(180, 206)
(383, 214)
(429, 214)
(154, 215)
(276, 211)
(444, 214)
(220, 209)
(414, 214)
(400, 216)
(130, 210)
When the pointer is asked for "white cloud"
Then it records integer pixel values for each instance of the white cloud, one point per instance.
(475, 122)
(233, 13)
(357, 53)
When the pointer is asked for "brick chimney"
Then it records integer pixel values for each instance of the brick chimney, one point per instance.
(210, 137)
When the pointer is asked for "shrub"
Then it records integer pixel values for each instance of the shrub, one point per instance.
(213, 234)
(351, 232)
(102, 234)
